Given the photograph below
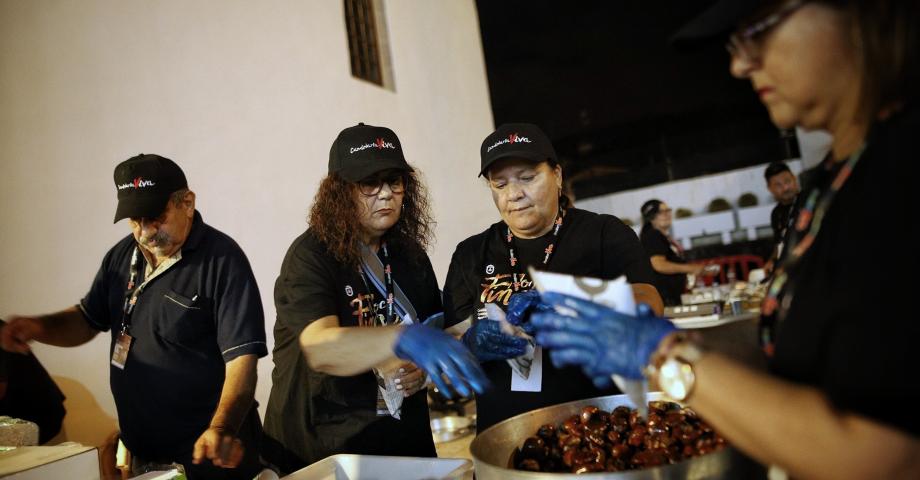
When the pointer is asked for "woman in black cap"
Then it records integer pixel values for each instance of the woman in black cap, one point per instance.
(665, 254)
(538, 228)
(351, 352)
(837, 328)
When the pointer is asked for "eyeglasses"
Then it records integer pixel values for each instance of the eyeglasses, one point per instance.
(372, 186)
(746, 42)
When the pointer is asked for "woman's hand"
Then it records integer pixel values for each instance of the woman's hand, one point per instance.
(521, 306)
(437, 353)
(598, 339)
(488, 342)
(410, 379)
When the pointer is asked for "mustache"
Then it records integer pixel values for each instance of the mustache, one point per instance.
(158, 239)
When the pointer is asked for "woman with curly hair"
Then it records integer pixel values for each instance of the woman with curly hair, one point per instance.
(351, 351)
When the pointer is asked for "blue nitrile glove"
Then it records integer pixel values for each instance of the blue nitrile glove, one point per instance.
(488, 342)
(438, 353)
(598, 339)
(522, 305)
(435, 321)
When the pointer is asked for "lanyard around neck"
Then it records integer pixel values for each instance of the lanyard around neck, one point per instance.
(130, 293)
(805, 230)
(548, 251)
(389, 316)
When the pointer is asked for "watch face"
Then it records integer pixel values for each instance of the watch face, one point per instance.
(676, 378)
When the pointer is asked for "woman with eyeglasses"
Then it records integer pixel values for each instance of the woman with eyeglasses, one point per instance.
(838, 328)
(351, 350)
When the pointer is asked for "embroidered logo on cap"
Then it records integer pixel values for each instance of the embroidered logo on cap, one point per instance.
(349, 291)
(138, 182)
(379, 144)
(490, 269)
(513, 138)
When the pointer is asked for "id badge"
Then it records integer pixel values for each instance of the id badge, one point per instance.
(120, 352)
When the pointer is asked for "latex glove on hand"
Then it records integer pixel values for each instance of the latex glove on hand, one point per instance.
(437, 353)
(598, 339)
(488, 342)
(521, 306)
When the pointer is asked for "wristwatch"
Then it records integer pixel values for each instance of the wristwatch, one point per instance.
(674, 369)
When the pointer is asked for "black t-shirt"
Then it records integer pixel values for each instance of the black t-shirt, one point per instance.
(670, 286)
(202, 312)
(312, 415)
(589, 244)
(779, 221)
(851, 330)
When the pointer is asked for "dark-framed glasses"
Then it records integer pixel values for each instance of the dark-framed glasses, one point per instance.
(371, 186)
(746, 42)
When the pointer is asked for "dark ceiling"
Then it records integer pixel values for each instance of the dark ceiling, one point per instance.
(623, 108)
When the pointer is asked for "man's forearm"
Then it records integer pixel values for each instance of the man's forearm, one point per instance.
(67, 328)
(238, 392)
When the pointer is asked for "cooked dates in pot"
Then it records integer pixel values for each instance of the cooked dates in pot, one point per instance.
(598, 441)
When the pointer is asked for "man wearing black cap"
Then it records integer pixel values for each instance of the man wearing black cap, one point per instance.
(538, 228)
(187, 329)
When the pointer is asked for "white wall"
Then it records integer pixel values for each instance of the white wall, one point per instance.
(693, 194)
(247, 97)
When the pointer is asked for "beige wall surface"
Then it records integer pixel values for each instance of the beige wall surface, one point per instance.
(247, 97)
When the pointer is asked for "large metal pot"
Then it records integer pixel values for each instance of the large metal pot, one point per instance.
(492, 449)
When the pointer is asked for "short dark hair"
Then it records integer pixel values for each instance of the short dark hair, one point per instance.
(775, 168)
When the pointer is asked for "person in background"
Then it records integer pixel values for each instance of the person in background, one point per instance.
(665, 254)
(839, 338)
(539, 228)
(784, 187)
(348, 288)
(187, 327)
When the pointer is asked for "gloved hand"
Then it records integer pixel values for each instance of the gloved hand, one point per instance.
(438, 353)
(488, 342)
(521, 306)
(598, 339)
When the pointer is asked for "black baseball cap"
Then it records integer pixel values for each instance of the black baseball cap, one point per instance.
(716, 22)
(363, 150)
(517, 140)
(144, 184)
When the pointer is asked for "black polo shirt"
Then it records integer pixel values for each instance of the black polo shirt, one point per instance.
(312, 415)
(670, 286)
(190, 320)
(589, 245)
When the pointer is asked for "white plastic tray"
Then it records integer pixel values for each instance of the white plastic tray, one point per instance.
(371, 467)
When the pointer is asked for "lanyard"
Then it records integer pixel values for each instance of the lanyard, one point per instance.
(550, 249)
(130, 294)
(806, 227)
(388, 286)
